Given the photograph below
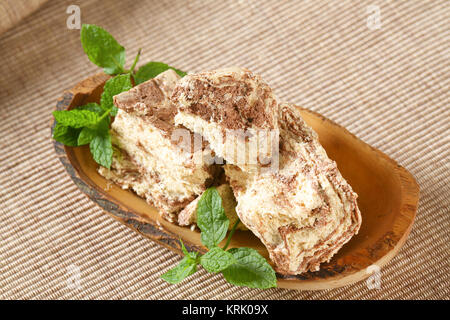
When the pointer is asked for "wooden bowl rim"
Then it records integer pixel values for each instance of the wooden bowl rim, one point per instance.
(323, 279)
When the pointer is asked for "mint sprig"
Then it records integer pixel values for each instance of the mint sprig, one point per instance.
(76, 118)
(217, 259)
(250, 270)
(152, 69)
(86, 136)
(66, 135)
(89, 124)
(102, 49)
(211, 218)
(112, 87)
(184, 269)
(239, 266)
(93, 120)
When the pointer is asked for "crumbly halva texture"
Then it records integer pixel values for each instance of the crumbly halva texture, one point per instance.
(188, 216)
(174, 168)
(234, 110)
(305, 211)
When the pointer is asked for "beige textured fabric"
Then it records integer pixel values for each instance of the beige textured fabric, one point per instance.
(389, 86)
(12, 11)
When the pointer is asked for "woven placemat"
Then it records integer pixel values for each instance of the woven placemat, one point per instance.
(13, 11)
(387, 80)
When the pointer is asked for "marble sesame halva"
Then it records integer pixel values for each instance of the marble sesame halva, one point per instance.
(305, 211)
(170, 174)
(302, 209)
(233, 109)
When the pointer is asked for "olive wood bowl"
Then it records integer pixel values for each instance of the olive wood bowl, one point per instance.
(388, 197)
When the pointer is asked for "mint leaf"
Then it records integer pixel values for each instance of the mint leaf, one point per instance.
(183, 248)
(86, 136)
(152, 69)
(94, 107)
(73, 137)
(216, 260)
(102, 49)
(75, 118)
(211, 218)
(102, 127)
(191, 255)
(101, 149)
(183, 270)
(250, 270)
(112, 87)
(66, 135)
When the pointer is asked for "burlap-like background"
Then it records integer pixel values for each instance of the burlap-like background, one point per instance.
(13, 11)
(389, 86)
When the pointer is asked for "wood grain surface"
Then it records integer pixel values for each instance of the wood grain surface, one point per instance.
(13, 11)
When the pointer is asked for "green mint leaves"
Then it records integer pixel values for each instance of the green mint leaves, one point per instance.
(183, 270)
(66, 135)
(250, 270)
(93, 120)
(102, 49)
(89, 124)
(217, 259)
(152, 69)
(239, 266)
(76, 118)
(112, 87)
(211, 218)
(101, 149)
